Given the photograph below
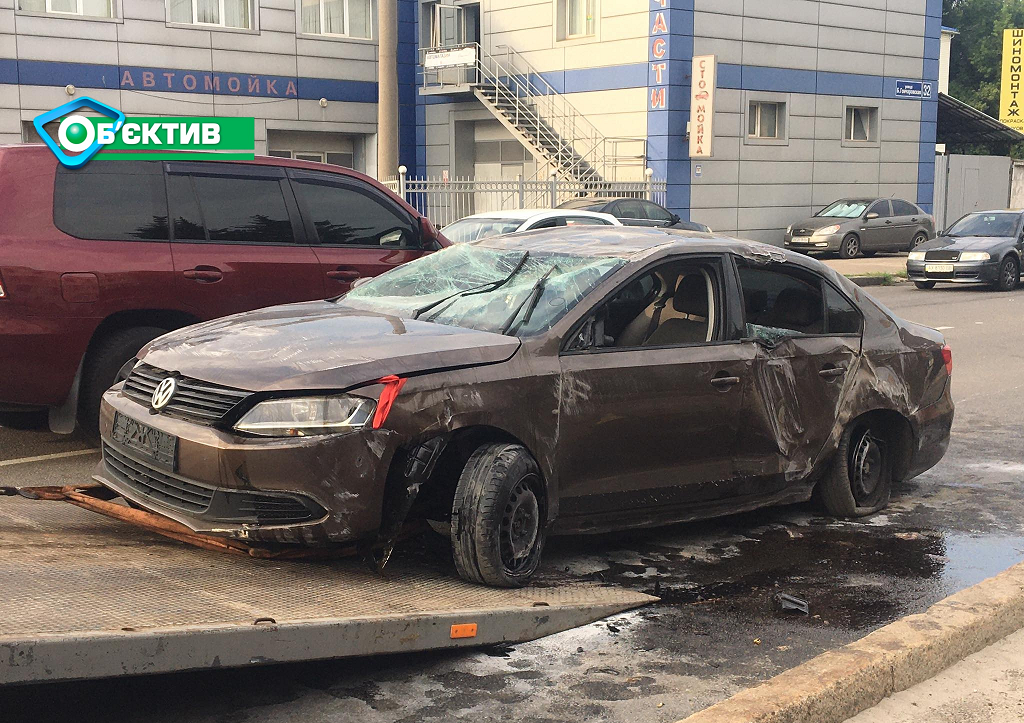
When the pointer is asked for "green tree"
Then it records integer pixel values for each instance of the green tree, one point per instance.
(975, 61)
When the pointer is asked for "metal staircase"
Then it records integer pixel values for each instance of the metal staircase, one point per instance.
(542, 119)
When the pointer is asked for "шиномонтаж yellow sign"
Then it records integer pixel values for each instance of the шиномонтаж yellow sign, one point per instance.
(1011, 96)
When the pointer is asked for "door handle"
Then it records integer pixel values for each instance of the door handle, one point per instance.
(888, 223)
(724, 382)
(204, 274)
(343, 274)
(831, 372)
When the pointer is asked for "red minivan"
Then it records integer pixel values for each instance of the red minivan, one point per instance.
(97, 261)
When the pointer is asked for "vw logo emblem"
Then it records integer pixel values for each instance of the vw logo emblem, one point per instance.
(163, 393)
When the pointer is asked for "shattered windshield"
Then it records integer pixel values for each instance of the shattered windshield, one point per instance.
(498, 290)
(471, 229)
(985, 224)
(844, 209)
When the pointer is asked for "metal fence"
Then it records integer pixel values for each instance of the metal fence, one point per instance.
(445, 200)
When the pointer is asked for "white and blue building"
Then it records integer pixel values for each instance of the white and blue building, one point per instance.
(814, 99)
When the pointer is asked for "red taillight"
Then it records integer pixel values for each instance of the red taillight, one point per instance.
(947, 357)
(392, 386)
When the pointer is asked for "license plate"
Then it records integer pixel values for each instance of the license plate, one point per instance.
(938, 268)
(801, 240)
(150, 444)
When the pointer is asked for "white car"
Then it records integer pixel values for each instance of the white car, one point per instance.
(497, 223)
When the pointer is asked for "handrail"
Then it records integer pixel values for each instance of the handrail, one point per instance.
(563, 135)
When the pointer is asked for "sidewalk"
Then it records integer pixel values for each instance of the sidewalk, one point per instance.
(985, 687)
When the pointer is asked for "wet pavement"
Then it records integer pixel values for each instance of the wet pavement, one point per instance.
(718, 628)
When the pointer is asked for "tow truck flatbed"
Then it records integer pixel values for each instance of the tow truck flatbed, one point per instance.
(85, 596)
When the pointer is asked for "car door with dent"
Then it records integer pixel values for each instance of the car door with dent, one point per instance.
(807, 337)
(647, 423)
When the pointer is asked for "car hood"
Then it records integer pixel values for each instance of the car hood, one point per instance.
(816, 222)
(964, 243)
(319, 345)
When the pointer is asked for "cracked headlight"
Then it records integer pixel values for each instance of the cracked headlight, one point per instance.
(827, 230)
(307, 416)
(915, 256)
(974, 256)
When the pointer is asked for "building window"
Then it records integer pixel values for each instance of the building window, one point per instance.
(220, 13)
(335, 158)
(82, 8)
(765, 119)
(575, 18)
(348, 18)
(861, 124)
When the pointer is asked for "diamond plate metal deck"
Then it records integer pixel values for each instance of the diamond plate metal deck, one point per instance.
(84, 596)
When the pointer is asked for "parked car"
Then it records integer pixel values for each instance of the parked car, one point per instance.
(635, 212)
(574, 381)
(855, 226)
(980, 248)
(496, 223)
(95, 262)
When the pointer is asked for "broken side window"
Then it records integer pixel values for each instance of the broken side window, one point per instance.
(780, 303)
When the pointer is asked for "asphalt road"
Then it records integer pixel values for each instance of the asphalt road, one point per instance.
(717, 629)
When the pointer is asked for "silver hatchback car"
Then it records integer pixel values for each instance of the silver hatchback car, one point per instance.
(855, 226)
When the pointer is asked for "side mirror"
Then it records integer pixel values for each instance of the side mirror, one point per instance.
(871, 216)
(428, 234)
(675, 220)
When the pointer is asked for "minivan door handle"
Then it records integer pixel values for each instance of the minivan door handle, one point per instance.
(342, 274)
(204, 274)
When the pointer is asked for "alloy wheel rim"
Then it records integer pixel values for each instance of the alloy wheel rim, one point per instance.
(520, 526)
(866, 467)
(851, 247)
(1008, 274)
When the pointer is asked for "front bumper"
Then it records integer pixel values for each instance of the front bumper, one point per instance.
(811, 244)
(964, 272)
(218, 478)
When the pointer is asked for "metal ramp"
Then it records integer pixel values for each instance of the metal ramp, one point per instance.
(84, 596)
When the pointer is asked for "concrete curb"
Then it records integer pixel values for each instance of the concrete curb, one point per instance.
(839, 684)
(875, 280)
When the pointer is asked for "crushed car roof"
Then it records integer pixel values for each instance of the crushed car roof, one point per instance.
(630, 242)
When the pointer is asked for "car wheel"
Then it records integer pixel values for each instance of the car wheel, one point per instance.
(859, 480)
(917, 241)
(103, 362)
(498, 515)
(1009, 275)
(924, 284)
(850, 247)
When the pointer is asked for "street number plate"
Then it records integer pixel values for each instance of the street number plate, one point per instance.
(148, 443)
(938, 268)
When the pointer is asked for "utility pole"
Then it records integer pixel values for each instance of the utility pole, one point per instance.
(387, 83)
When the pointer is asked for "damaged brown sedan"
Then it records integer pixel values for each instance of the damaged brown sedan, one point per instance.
(573, 381)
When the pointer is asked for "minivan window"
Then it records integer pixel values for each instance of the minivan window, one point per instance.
(344, 215)
(111, 200)
(187, 221)
(244, 210)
